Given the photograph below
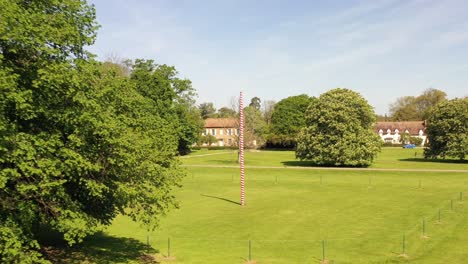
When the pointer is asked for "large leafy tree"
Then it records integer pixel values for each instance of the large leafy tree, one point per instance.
(338, 130)
(226, 112)
(408, 108)
(79, 141)
(172, 98)
(287, 119)
(404, 109)
(207, 110)
(447, 130)
(428, 100)
(267, 110)
(255, 126)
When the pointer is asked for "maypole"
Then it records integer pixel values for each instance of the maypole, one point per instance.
(241, 146)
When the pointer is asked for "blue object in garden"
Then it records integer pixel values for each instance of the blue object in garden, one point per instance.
(409, 146)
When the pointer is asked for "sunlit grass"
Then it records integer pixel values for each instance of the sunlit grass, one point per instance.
(361, 215)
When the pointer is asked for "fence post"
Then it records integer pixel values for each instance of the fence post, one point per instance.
(168, 246)
(323, 250)
(424, 227)
(404, 244)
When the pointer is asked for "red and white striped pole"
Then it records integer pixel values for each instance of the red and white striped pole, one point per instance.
(241, 147)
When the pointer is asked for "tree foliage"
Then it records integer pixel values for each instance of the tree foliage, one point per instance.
(80, 142)
(226, 112)
(404, 109)
(447, 130)
(267, 110)
(255, 126)
(287, 119)
(207, 110)
(255, 103)
(409, 108)
(338, 130)
(428, 100)
(406, 138)
(172, 98)
(208, 139)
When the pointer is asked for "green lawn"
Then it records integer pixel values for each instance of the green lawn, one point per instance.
(389, 158)
(361, 215)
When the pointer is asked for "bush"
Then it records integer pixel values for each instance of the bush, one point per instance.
(416, 140)
(221, 147)
(389, 144)
(216, 147)
(280, 142)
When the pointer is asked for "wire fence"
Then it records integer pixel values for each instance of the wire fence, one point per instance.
(415, 241)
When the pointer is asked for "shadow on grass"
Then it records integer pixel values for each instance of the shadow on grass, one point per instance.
(222, 199)
(306, 163)
(101, 248)
(436, 160)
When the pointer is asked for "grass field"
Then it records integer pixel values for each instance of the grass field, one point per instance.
(395, 158)
(359, 215)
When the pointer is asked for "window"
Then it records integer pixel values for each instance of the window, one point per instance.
(229, 131)
(213, 132)
(230, 141)
(221, 131)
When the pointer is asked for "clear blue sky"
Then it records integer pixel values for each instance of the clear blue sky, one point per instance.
(273, 49)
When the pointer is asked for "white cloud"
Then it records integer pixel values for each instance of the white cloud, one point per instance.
(292, 55)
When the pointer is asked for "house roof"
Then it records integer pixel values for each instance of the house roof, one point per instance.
(221, 122)
(413, 127)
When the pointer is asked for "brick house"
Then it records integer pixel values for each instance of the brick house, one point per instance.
(225, 130)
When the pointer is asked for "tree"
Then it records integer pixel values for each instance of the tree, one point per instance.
(338, 130)
(255, 103)
(207, 110)
(447, 130)
(267, 112)
(80, 142)
(287, 120)
(208, 139)
(406, 138)
(382, 118)
(121, 66)
(408, 108)
(226, 112)
(173, 97)
(428, 100)
(254, 126)
(404, 109)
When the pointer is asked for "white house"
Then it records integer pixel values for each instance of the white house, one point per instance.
(390, 132)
